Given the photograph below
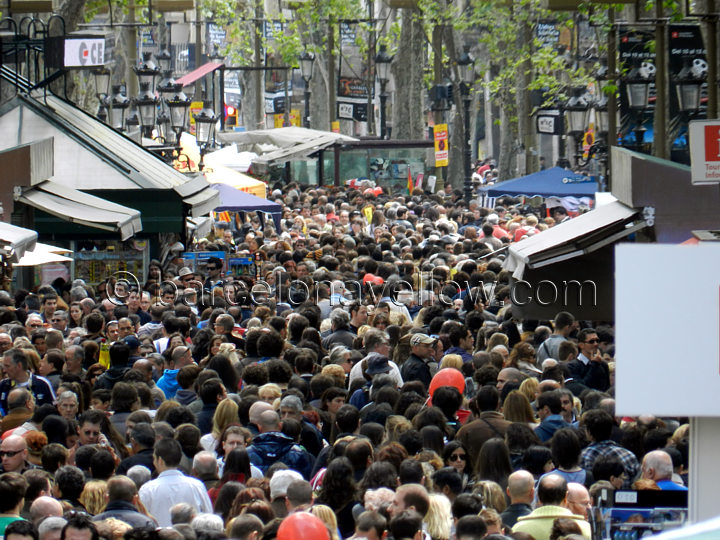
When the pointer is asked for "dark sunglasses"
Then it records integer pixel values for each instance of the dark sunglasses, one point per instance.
(9, 453)
(593, 341)
(457, 457)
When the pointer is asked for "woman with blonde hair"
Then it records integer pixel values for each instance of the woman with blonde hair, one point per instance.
(522, 357)
(93, 496)
(439, 517)
(451, 361)
(396, 425)
(517, 408)
(327, 516)
(529, 387)
(492, 495)
(226, 413)
(498, 338)
(269, 393)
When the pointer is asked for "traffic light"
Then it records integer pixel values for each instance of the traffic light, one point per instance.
(231, 115)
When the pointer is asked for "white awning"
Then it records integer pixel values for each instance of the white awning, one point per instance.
(199, 227)
(81, 208)
(43, 254)
(583, 234)
(15, 241)
(289, 143)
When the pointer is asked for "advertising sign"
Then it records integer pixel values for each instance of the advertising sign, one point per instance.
(84, 52)
(550, 122)
(705, 151)
(440, 134)
(641, 271)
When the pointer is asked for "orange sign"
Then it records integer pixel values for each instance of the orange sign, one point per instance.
(440, 134)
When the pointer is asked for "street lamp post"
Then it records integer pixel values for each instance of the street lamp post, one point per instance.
(178, 104)
(307, 60)
(382, 70)
(146, 103)
(467, 74)
(638, 93)
(204, 127)
(577, 110)
(118, 105)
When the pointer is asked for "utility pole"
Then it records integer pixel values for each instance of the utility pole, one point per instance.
(661, 83)
(711, 50)
(258, 60)
(198, 50)
(371, 70)
(131, 44)
(437, 38)
(332, 76)
(611, 99)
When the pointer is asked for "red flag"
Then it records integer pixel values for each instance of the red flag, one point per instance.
(409, 182)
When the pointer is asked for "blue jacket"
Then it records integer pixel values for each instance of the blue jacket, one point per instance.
(549, 426)
(271, 447)
(168, 383)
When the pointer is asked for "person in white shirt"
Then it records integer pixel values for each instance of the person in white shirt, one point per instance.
(171, 486)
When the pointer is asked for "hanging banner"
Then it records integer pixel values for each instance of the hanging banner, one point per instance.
(440, 134)
(634, 51)
(686, 49)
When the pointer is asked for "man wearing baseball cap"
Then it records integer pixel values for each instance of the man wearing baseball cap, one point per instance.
(416, 366)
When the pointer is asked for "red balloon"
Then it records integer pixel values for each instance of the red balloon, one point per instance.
(447, 377)
(302, 526)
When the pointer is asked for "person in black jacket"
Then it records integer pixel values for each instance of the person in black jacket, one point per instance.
(122, 498)
(142, 441)
(589, 368)
(416, 367)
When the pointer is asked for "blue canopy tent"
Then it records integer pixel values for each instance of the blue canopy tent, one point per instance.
(234, 200)
(554, 182)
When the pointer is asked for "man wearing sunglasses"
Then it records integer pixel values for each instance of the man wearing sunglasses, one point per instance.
(13, 452)
(589, 368)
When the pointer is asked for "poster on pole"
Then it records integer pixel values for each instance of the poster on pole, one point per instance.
(440, 134)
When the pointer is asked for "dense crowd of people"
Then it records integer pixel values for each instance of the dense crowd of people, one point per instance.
(365, 378)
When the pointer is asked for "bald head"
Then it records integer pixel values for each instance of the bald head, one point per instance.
(509, 374)
(145, 367)
(256, 409)
(552, 490)
(44, 507)
(269, 421)
(121, 488)
(521, 487)
(578, 499)
(657, 466)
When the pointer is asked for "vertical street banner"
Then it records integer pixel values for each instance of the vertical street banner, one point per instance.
(686, 50)
(352, 83)
(634, 51)
(440, 134)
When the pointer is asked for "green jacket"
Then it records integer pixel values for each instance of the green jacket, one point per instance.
(540, 521)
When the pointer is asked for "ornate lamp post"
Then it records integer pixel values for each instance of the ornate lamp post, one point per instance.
(466, 66)
(147, 72)
(146, 103)
(179, 104)
(638, 93)
(382, 70)
(577, 110)
(118, 105)
(204, 128)
(307, 62)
